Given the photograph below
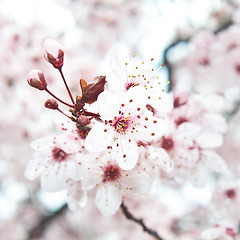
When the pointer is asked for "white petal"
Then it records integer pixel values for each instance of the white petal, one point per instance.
(35, 166)
(76, 197)
(138, 96)
(91, 178)
(165, 161)
(97, 140)
(136, 183)
(162, 102)
(68, 143)
(187, 157)
(126, 154)
(199, 177)
(54, 178)
(209, 140)
(215, 122)
(187, 129)
(160, 157)
(108, 199)
(43, 143)
(118, 59)
(214, 161)
(74, 169)
(212, 234)
(108, 105)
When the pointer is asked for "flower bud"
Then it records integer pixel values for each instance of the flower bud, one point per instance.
(36, 79)
(53, 53)
(83, 120)
(180, 98)
(51, 104)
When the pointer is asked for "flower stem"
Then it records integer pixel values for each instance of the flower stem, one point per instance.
(129, 216)
(71, 118)
(71, 106)
(60, 70)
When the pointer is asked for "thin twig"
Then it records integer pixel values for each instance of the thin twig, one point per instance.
(68, 90)
(38, 230)
(69, 105)
(139, 221)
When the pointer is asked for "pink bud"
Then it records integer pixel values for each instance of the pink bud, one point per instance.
(36, 79)
(83, 120)
(180, 98)
(53, 53)
(51, 103)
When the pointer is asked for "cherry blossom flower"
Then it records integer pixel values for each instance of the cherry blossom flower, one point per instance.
(127, 73)
(56, 159)
(190, 149)
(126, 125)
(114, 183)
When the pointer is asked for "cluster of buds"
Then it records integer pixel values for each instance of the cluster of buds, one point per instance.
(54, 54)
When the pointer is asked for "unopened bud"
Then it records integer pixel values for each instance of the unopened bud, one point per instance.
(53, 53)
(51, 103)
(37, 80)
(83, 120)
(180, 98)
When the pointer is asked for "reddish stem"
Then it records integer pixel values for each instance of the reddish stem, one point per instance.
(60, 70)
(71, 106)
(65, 114)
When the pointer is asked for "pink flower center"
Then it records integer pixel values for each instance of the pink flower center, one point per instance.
(130, 85)
(203, 61)
(180, 120)
(237, 68)
(167, 143)
(230, 193)
(83, 131)
(111, 173)
(58, 154)
(231, 233)
(121, 124)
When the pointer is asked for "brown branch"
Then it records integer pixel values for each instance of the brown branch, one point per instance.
(139, 221)
(38, 230)
(178, 40)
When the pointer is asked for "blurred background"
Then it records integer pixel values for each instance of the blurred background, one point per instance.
(198, 41)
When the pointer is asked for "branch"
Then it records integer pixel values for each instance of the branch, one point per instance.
(178, 40)
(129, 216)
(38, 230)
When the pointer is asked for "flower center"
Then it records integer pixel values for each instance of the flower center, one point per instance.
(230, 193)
(180, 120)
(121, 125)
(83, 131)
(58, 154)
(111, 173)
(167, 143)
(129, 85)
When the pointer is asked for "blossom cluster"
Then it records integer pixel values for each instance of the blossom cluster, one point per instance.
(124, 132)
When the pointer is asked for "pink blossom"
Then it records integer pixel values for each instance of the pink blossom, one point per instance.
(56, 159)
(127, 73)
(126, 125)
(114, 183)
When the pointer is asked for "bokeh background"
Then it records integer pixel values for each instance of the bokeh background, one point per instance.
(198, 41)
